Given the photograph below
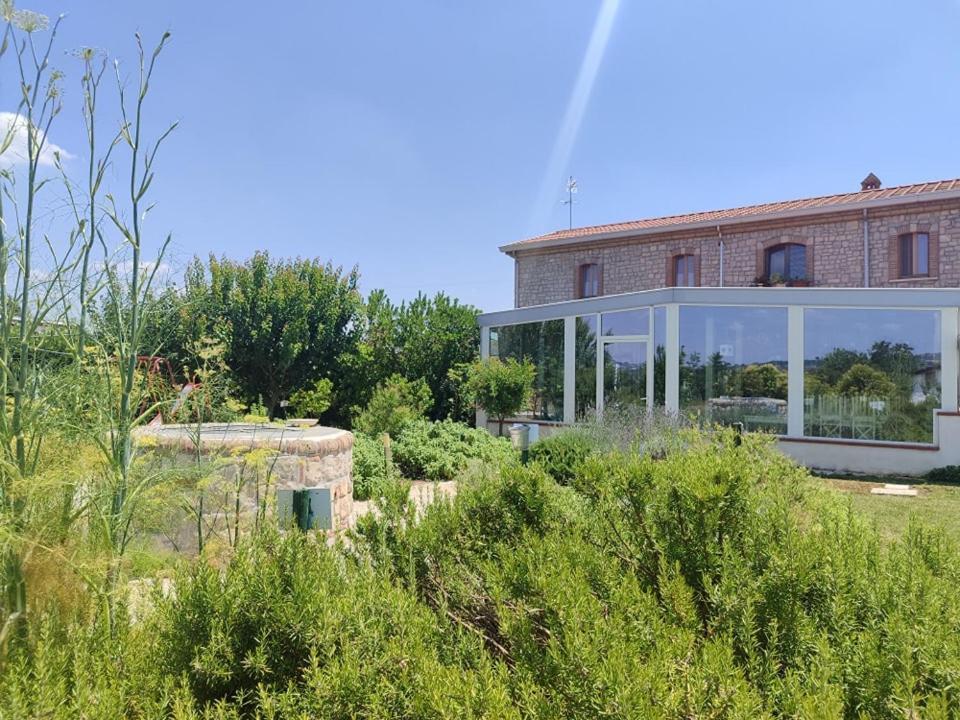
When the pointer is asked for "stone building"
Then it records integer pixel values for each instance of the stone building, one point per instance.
(906, 236)
(832, 323)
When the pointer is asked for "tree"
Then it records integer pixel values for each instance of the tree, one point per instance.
(765, 380)
(863, 380)
(893, 358)
(425, 338)
(170, 326)
(285, 323)
(395, 403)
(585, 387)
(501, 388)
(813, 386)
(898, 361)
(834, 364)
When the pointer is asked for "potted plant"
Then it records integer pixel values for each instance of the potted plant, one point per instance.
(778, 280)
(760, 281)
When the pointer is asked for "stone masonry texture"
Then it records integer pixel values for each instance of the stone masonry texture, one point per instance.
(294, 459)
(834, 253)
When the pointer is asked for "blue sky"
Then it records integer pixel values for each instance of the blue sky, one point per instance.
(413, 138)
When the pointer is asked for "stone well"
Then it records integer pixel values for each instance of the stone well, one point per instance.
(297, 458)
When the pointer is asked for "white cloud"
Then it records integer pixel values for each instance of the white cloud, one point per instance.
(16, 153)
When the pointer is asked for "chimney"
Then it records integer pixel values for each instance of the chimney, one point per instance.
(870, 182)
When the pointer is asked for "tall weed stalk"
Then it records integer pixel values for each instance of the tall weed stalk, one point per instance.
(26, 300)
(127, 297)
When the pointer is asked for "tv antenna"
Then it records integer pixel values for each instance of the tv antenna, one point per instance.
(571, 191)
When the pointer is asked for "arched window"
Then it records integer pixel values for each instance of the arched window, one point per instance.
(787, 261)
(684, 270)
(588, 280)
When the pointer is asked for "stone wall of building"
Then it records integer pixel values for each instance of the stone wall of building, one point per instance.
(834, 254)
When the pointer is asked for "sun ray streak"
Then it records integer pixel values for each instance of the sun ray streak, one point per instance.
(573, 117)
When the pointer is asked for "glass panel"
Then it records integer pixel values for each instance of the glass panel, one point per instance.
(624, 376)
(590, 279)
(684, 271)
(906, 255)
(586, 366)
(629, 322)
(659, 356)
(542, 344)
(494, 342)
(733, 366)
(871, 374)
(796, 262)
(923, 254)
(776, 262)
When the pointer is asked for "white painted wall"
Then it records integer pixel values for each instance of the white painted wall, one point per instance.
(877, 459)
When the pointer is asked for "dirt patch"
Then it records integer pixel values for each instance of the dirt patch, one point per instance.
(422, 493)
(863, 487)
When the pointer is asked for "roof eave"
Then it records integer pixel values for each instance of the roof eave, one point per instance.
(512, 248)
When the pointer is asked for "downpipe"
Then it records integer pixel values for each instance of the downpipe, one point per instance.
(866, 250)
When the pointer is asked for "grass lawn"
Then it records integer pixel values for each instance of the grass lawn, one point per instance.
(935, 504)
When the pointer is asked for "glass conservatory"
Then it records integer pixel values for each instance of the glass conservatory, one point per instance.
(852, 367)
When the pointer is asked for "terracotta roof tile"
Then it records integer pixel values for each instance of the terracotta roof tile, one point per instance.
(749, 211)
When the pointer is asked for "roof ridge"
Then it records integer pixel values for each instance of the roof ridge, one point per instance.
(743, 211)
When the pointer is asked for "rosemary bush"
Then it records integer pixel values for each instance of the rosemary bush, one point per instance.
(715, 580)
(442, 450)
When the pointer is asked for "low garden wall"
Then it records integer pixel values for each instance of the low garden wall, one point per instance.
(877, 458)
(254, 461)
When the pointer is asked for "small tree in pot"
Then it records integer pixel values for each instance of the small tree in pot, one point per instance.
(500, 388)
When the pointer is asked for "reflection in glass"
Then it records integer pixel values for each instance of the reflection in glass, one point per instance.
(914, 254)
(624, 376)
(923, 254)
(542, 344)
(585, 377)
(871, 374)
(659, 356)
(627, 322)
(787, 262)
(733, 366)
(684, 271)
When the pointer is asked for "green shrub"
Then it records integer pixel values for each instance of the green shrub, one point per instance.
(369, 465)
(632, 429)
(395, 403)
(945, 474)
(442, 450)
(561, 454)
(714, 580)
(425, 450)
(501, 388)
(313, 400)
